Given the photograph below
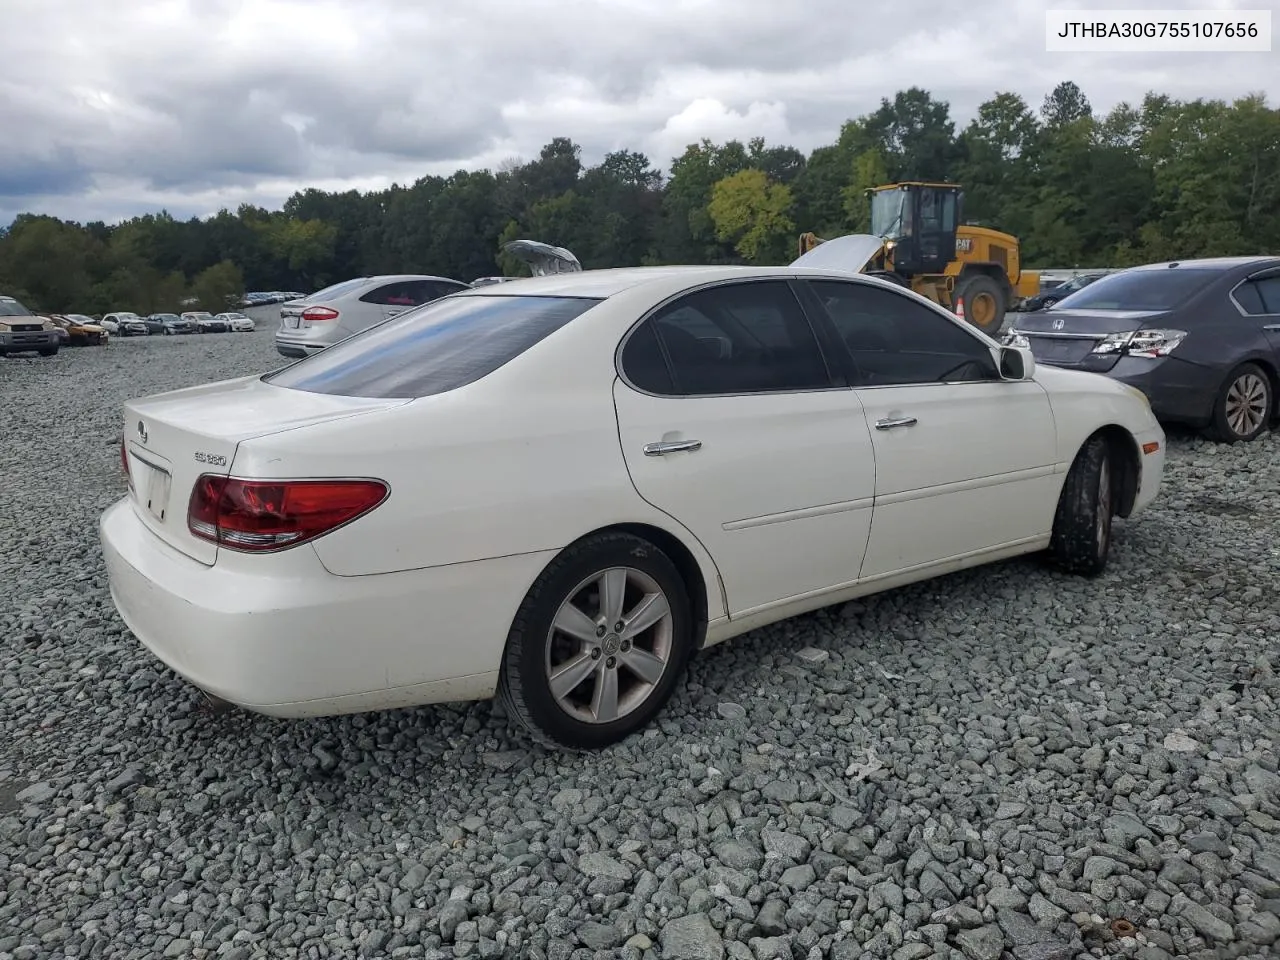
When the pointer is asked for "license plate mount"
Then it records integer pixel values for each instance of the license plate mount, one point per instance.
(156, 492)
(291, 322)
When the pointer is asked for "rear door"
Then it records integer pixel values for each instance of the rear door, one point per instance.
(964, 460)
(732, 422)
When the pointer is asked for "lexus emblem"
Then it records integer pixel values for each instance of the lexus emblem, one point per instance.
(1057, 325)
(142, 431)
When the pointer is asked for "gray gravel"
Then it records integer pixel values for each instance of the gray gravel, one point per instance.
(1007, 762)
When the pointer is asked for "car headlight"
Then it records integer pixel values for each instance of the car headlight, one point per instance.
(1142, 343)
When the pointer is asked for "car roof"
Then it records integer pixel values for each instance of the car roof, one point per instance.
(1211, 263)
(606, 282)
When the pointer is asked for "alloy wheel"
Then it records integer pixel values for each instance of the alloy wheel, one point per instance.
(609, 645)
(1246, 406)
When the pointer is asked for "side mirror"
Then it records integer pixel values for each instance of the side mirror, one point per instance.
(1017, 363)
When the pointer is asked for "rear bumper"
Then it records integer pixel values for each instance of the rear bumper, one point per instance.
(280, 635)
(297, 348)
(1178, 391)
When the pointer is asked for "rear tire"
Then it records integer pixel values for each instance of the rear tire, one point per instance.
(595, 585)
(1081, 540)
(1243, 408)
(984, 303)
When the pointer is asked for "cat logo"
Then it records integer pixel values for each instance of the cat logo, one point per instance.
(964, 244)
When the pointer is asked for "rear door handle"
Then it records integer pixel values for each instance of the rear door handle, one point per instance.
(1272, 327)
(671, 446)
(888, 423)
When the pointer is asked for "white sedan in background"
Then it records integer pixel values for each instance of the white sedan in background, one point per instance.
(557, 489)
(238, 322)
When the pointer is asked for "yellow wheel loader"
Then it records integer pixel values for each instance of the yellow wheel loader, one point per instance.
(926, 247)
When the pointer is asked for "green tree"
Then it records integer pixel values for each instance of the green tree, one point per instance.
(218, 286)
(753, 214)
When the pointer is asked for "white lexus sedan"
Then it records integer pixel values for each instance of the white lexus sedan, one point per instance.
(555, 490)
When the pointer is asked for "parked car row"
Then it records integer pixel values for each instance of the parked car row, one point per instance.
(128, 324)
(266, 299)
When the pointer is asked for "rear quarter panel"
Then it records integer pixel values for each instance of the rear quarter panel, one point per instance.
(524, 460)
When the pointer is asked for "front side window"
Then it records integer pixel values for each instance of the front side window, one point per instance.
(730, 339)
(439, 347)
(894, 340)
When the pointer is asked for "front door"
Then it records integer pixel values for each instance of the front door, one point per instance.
(964, 461)
(731, 423)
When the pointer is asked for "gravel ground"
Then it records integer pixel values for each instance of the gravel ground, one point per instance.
(1003, 762)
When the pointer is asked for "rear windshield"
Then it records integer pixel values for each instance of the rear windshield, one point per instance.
(335, 291)
(1151, 290)
(438, 347)
(12, 308)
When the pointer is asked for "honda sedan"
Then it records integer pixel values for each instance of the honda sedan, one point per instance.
(557, 489)
(1201, 338)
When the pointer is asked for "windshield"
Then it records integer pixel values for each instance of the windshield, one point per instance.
(435, 348)
(1145, 290)
(12, 308)
(887, 208)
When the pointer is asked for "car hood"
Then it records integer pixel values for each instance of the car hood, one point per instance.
(848, 254)
(1089, 322)
(543, 258)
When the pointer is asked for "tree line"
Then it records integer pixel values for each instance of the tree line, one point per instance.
(1160, 180)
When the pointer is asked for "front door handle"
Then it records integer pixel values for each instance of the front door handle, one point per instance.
(888, 423)
(1272, 327)
(671, 446)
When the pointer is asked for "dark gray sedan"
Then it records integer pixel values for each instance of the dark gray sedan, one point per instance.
(1201, 338)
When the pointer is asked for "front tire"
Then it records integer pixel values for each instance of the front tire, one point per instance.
(599, 643)
(984, 303)
(1244, 405)
(1081, 540)
(48, 351)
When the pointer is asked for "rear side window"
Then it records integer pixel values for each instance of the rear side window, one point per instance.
(409, 293)
(337, 290)
(1151, 290)
(1260, 297)
(435, 349)
(10, 307)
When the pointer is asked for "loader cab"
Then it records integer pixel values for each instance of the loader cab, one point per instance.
(918, 222)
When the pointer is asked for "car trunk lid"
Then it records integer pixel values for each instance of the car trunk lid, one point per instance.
(1068, 338)
(173, 438)
(543, 258)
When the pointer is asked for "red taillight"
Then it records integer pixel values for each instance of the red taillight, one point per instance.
(319, 313)
(259, 515)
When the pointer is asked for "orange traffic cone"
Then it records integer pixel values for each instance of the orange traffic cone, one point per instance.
(960, 307)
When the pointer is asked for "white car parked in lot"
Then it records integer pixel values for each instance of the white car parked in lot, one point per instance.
(557, 489)
(237, 322)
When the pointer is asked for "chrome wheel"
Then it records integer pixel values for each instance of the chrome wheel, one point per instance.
(1246, 405)
(609, 645)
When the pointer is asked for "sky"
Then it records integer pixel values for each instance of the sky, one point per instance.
(109, 111)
